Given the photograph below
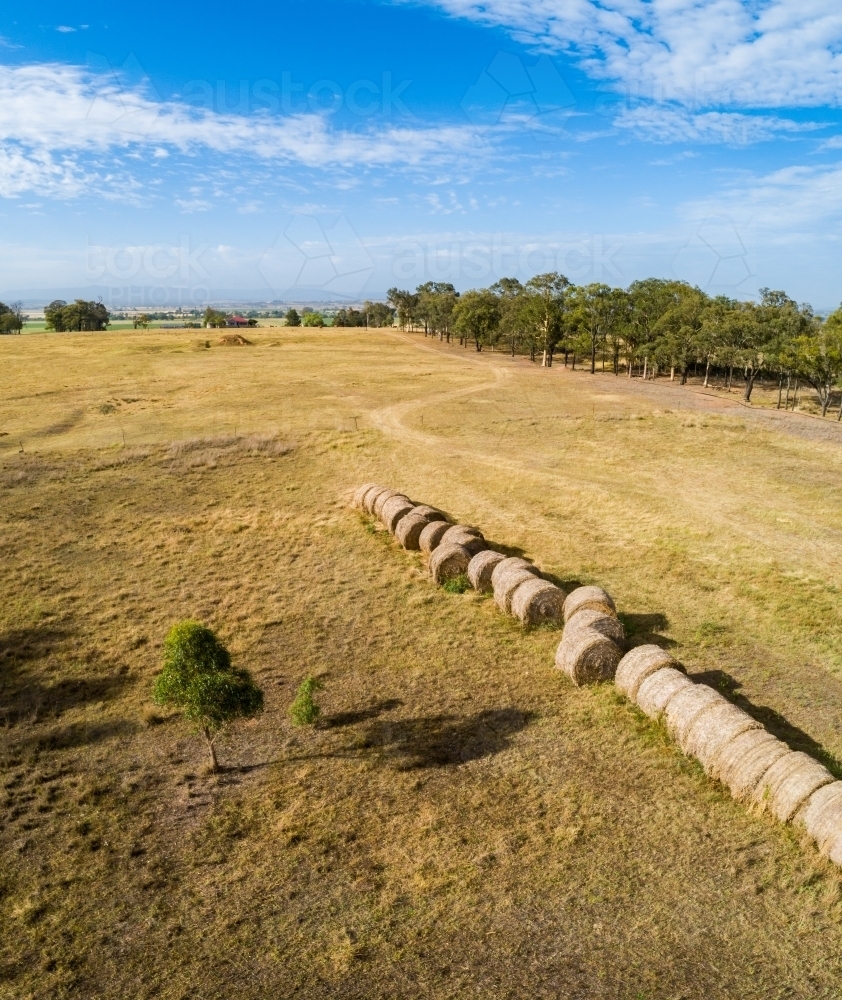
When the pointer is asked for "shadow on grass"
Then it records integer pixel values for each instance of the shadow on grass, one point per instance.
(644, 629)
(78, 734)
(507, 550)
(30, 643)
(772, 720)
(444, 740)
(363, 715)
(428, 741)
(29, 692)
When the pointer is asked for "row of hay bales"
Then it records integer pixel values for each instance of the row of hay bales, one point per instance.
(593, 637)
(731, 746)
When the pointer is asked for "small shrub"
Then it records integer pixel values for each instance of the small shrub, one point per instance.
(456, 584)
(304, 711)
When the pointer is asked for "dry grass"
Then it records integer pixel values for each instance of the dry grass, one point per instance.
(463, 823)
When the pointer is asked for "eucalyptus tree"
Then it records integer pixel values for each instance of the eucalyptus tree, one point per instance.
(650, 299)
(405, 304)
(436, 300)
(677, 332)
(544, 307)
(510, 294)
(476, 316)
(591, 310)
(818, 358)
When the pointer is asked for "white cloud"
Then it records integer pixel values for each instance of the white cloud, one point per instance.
(785, 202)
(64, 29)
(193, 205)
(700, 53)
(673, 124)
(53, 116)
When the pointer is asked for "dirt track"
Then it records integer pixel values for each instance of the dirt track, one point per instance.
(660, 394)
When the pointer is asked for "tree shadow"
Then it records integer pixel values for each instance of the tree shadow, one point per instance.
(30, 643)
(363, 715)
(445, 740)
(771, 719)
(79, 734)
(26, 695)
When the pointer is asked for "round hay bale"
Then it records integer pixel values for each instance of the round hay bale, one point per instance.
(393, 510)
(742, 763)
(587, 656)
(371, 496)
(409, 529)
(507, 584)
(789, 782)
(638, 664)
(458, 534)
(430, 537)
(449, 561)
(536, 602)
(684, 708)
(655, 692)
(821, 816)
(713, 729)
(509, 563)
(360, 492)
(589, 597)
(481, 567)
(611, 628)
(431, 513)
(383, 498)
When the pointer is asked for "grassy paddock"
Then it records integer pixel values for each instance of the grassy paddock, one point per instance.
(462, 822)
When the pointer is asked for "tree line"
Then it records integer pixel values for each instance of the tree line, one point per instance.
(653, 327)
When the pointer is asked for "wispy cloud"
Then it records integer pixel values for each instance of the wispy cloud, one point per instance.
(786, 201)
(54, 116)
(674, 124)
(700, 53)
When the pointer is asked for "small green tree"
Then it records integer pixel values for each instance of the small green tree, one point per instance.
(304, 711)
(198, 678)
(292, 317)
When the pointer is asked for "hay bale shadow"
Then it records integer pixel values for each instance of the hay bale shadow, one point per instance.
(507, 550)
(446, 740)
(772, 720)
(643, 629)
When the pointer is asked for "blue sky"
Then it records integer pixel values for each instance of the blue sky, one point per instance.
(300, 152)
